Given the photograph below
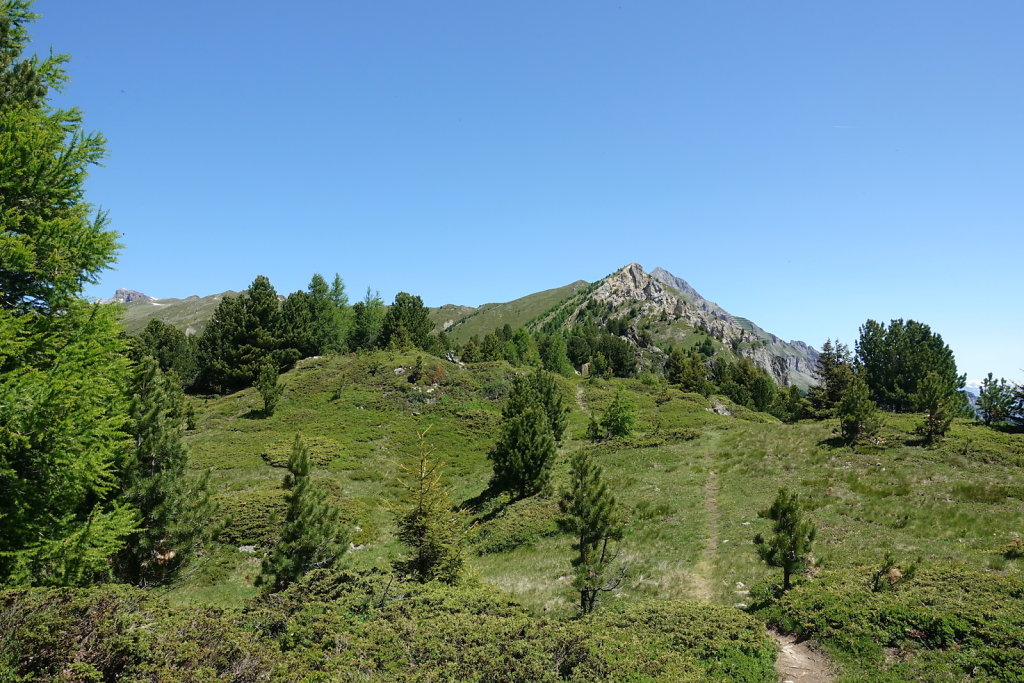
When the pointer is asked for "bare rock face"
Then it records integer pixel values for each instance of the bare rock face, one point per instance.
(126, 296)
(661, 292)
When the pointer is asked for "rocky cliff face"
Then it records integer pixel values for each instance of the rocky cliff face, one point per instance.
(661, 292)
(127, 296)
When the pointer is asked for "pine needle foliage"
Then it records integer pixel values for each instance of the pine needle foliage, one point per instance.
(175, 507)
(591, 515)
(858, 414)
(995, 400)
(311, 537)
(428, 524)
(269, 386)
(540, 389)
(618, 420)
(524, 453)
(62, 373)
(789, 547)
(939, 404)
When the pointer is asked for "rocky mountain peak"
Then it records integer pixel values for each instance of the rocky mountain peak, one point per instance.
(126, 296)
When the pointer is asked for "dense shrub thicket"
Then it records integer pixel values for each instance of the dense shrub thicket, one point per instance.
(369, 626)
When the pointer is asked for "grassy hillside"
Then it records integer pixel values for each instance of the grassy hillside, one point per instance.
(516, 313)
(188, 315)
(692, 482)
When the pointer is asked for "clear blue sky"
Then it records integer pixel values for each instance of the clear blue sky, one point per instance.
(808, 165)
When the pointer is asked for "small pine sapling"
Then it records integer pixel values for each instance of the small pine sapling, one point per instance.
(591, 515)
(789, 547)
(269, 387)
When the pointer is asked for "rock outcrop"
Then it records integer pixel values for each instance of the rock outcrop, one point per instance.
(127, 296)
(661, 293)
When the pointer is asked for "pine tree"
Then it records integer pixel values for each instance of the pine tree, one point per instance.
(245, 332)
(591, 515)
(618, 420)
(406, 317)
(939, 406)
(428, 524)
(269, 386)
(469, 352)
(173, 350)
(312, 321)
(834, 371)
(995, 400)
(541, 389)
(175, 508)
(858, 415)
(895, 359)
(62, 372)
(524, 453)
(792, 536)
(367, 316)
(311, 537)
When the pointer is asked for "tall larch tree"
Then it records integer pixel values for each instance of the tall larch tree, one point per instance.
(62, 372)
(367, 316)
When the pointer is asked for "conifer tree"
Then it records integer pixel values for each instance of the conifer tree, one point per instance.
(491, 348)
(591, 515)
(343, 316)
(175, 507)
(469, 352)
(995, 400)
(790, 544)
(245, 331)
(313, 320)
(173, 350)
(541, 389)
(367, 316)
(428, 524)
(894, 359)
(524, 453)
(407, 318)
(618, 420)
(269, 386)
(834, 370)
(553, 354)
(858, 415)
(62, 372)
(939, 406)
(311, 537)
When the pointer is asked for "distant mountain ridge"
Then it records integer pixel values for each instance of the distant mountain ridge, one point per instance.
(678, 309)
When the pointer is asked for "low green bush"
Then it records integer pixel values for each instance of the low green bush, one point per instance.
(517, 524)
(947, 623)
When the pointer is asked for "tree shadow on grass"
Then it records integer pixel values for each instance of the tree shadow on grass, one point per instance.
(488, 504)
(835, 442)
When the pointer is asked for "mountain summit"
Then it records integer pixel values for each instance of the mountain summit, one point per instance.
(656, 312)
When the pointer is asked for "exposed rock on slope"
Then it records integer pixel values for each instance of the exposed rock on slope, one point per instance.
(794, 360)
(127, 296)
(676, 300)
